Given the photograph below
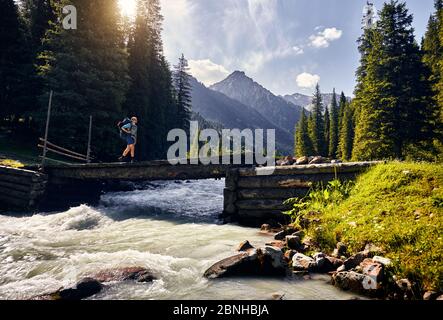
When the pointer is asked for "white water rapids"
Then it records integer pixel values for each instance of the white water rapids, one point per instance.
(170, 228)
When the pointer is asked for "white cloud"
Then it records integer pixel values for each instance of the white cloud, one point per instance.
(297, 50)
(207, 71)
(323, 38)
(307, 81)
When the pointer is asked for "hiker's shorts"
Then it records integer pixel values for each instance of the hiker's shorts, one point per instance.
(130, 140)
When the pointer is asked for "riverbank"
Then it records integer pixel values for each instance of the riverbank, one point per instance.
(393, 212)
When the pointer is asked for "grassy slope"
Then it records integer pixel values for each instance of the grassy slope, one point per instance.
(398, 207)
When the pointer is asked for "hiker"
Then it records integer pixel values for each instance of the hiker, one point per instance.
(129, 131)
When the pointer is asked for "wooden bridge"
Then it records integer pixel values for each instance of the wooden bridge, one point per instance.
(252, 194)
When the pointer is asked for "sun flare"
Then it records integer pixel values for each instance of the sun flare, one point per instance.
(128, 7)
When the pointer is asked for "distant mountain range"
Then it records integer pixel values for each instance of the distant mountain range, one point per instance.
(277, 110)
(220, 110)
(306, 101)
(240, 102)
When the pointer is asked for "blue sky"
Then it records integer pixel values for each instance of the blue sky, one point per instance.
(286, 45)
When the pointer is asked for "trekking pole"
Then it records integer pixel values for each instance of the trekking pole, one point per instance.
(45, 146)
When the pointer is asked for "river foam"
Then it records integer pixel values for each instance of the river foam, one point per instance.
(170, 228)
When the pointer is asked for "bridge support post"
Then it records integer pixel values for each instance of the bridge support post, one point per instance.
(230, 196)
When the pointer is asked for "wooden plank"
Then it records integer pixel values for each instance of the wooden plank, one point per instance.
(302, 181)
(277, 194)
(261, 204)
(308, 169)
(19, 194)
(62, 149)
(62, 153)
(22, 180)
(15, 186)
(56, 161)
(17, 203)
(19, 172)
(136, 172)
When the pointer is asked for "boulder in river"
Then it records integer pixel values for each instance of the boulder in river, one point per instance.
(294, 243)
(245, 246)
(276, 244)
(282, 234)
(138, 274)
(85, 288)
(267, 261)
(349, 280)
(325, 264)
(300, 262)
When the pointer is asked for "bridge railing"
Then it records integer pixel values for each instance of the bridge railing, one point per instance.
(53, 148)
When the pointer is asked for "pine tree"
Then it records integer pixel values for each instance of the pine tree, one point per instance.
(87, 70)
(327, 126)
(346, 132)
(334, 126)
(183, 93)
(392, 94)
(38, 16)
(303, 144)
(13, 61)
(316, 124)
(432, 46)
(151, 92)
(342, 104)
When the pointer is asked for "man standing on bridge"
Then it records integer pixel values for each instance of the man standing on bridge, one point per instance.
(130, 130)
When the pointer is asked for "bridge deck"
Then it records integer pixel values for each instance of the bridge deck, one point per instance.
(162, 170)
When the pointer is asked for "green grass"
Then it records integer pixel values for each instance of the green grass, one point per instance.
(397, 207)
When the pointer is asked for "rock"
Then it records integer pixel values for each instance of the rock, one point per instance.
(355, 282)
(267, 261)
(294, 243)
(405, 288)
(355, 260)
(325, 264)
(282, 234)
(382, 260)
(138, 274)
(289, 254)
(372, 269)
(317, 160)
(265, 228)
(336, 263)
(299, 234)
(302, 160)
(277, 244)
(308, 244)
(430, 295)
(245, 246)
(277, 296)
(85, 288)
(341, 268)
(288, 161)
(340, 250)
(349, 280)
(300, 262)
